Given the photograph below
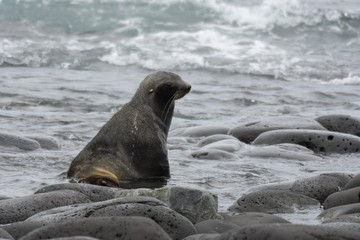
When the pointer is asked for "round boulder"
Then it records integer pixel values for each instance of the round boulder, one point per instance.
(354, 182)
(318, 141)
(102, 228)
(272, 202)
(249, 131)
(19, 209)
(341, 123)
(342, 198)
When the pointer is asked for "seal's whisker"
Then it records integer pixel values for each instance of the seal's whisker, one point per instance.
(167, 106)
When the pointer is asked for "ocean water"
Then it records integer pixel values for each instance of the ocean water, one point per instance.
(67, 65)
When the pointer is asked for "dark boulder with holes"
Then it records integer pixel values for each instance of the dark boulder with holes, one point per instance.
(272, 201)
(320, 187)
(19, 209)
(250, 131)
(176, 225)
(94, 192)
(344, 197)
(341, 123)
(102, 228)
(318, 141)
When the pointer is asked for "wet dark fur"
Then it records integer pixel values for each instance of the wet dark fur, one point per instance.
(132, 144)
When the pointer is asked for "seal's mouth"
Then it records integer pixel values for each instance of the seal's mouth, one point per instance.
(182, 91)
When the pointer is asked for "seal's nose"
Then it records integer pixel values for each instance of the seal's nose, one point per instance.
(188, 88)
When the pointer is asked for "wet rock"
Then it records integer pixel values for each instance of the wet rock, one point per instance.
(94, 192)
(288, 232)
(228, 145)
(272, 202)
(340, 210)
(284, 151)
(46, 142)
(285, 186)
(345, 226)
(5, 235)
(214, 226)
(213, 154)
(215, 138)
(318, 187)
(19, 229)
(19, 209)
(176, 225)
(250, 218)
(354, 182)
(196, 205)
(318, 141)
(204, 131)
(341, 123)
(75, 238)
(206, 236)
(249, 131)
(342, 198)
(27, 144)
(349, 218)
(102, 228)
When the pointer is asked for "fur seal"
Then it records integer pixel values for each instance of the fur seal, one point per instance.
(132, 146)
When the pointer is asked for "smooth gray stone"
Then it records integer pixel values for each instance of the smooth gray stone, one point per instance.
(176, 225)
(204, 236)
(318, 187)
(214, 138)
(5, 235)
(316, 140)
(46, 142)
(94, 192)
(249, 218)
(345, 226)
(249, 131)
(214, 226)
(75, 238)
(340, 210)
(227, 145)
(19, 209)
(354, 182)
(285, 151)
(341, 123)
(8, 140)
(213, 154)
(196, 205)
(348, 218)
(204, 131)
(19, 229)
(124, 228)
(342, 198)
(272, 201)
(288, 232)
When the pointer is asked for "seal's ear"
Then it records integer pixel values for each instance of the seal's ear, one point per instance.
(101, 177)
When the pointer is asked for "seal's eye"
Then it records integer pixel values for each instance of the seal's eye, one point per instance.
(168, 87)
